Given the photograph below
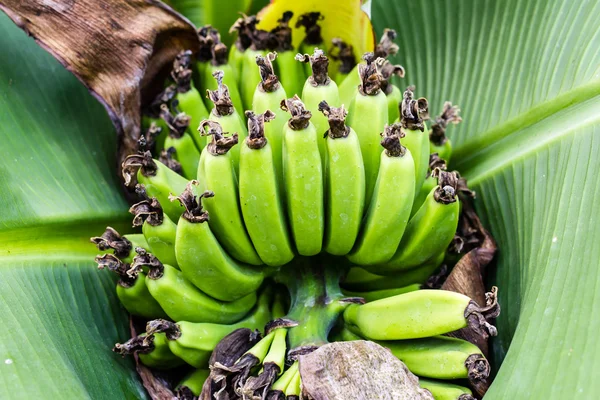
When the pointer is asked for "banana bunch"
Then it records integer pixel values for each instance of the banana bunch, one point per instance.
(280, 177)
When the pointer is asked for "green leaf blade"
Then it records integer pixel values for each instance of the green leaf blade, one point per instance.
(58, 187)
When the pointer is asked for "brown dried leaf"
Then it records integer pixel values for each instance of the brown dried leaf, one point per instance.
(467, 275)
(157, 388)
(116, 48)
(357, 370)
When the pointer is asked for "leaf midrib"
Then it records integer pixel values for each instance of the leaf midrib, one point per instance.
(467, 156)
(56, 240)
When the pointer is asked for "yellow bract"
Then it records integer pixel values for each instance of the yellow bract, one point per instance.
(342, 18)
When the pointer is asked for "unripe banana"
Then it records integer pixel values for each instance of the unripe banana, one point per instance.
(312, 34)
(227, 116)
(290, 72)
(158, 228)
(122, 246)
(279, 386)
(343, 66)
(392, 93)
(420, 314)
(192, 383)
(153, 351)
(181, 300)
(430, 182)
(441, 357)
(131, 290)
(382, 293)
(412, 114)
(217, 173)
(359, 279)
(348, 87)
(245, 26)
(152, 117)
(345, 183)
(188, 98)
(446, 390)
(259, 195)
(219, 63)
(430, 230)
(292, 391)
(368, 116)
(438, 141)
(192, 342)
(250, 76)
(391, 202)
(303, 179)
(159, 181)
(268, 96)
(186, 152)
(202, 259)
(317, 88)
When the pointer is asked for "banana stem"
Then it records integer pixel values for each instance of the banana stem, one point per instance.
(317, 301)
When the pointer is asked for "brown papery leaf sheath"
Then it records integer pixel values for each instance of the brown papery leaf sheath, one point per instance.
(115, 48)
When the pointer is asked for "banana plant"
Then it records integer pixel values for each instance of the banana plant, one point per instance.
(527, 77)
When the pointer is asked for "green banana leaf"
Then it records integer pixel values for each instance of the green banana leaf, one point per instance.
(58, 187)
(527, 77)
(526, 74)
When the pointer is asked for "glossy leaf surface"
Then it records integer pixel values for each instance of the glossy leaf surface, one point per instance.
(57, 188)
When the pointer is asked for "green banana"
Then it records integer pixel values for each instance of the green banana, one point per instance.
(392, 93)
(430, 182)
(191, 384)
(317, 88)
(312, 34)
(131, 290)
(382, 293)
(153, 351)
(445, 390)
(391, 202)
(346, 73)
(303, 178)
(441, 357)
(430, 230)
(259, 195)
(181, 300)
(345, 183)
(157, 178)
(268, 96)
(245, 26)
(166, 157)
(412, 114)
(122, 246)
(349, 86)
(368, 116)
(186, 152)
(152, 116)
(217, 173)
(349, 336)
(219, 63)
(202, 259)
(290, 72)
(158, 228)
(420, 314)
(292, 391)
(438, 141)
(279, 386)
(250, 77)
(194, 342)
(189, 99)
(361, 280)
(226, 115)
